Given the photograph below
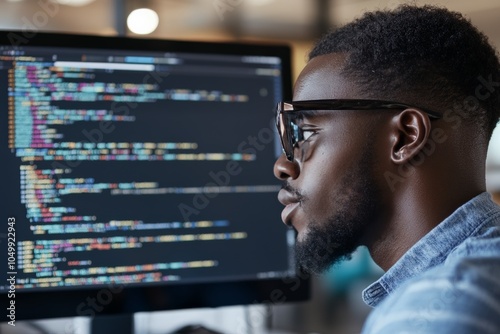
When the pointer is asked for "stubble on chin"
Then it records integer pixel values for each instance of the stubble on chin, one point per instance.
(329, 242)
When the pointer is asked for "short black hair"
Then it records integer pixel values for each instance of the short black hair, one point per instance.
(428, 56)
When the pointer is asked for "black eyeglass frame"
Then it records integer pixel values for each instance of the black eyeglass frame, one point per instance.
(290, 133)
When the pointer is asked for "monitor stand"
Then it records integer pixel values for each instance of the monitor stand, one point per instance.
(105, 324)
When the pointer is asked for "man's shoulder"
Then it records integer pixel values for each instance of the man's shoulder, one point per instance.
(459, 292)
(484, 242)
(464, 293)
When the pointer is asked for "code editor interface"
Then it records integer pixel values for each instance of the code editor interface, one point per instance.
(140, 167)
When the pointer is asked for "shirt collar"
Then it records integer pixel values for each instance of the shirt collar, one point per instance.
(433, 248)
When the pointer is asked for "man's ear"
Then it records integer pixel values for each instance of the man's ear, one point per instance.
(410, 132)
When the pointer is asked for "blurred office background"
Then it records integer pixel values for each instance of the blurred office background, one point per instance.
(336, 306)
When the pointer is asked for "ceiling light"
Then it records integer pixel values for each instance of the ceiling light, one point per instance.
(143, 21)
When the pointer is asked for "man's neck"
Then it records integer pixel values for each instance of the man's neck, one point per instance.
(415, 213)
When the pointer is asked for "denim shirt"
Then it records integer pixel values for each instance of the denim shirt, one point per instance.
(448, 282)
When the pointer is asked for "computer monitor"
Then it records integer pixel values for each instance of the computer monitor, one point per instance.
(137, 175)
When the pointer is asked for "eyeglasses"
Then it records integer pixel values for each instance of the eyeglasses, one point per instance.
(287, 114)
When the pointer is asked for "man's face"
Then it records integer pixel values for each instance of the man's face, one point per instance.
(329, 190)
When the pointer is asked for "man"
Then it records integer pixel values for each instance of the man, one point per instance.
(385, 146)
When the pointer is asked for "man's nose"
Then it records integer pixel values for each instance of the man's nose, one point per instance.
(284, 169)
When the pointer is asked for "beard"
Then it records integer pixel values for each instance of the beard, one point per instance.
(335, 239)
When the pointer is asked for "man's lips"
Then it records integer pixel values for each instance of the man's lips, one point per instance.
(290, 202)
(286, 213)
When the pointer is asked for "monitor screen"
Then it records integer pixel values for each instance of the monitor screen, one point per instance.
(138, 173)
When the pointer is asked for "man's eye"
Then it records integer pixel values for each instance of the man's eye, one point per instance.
(306, 133)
